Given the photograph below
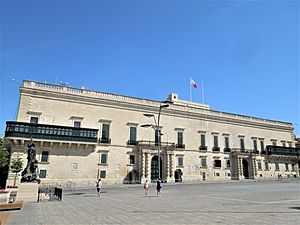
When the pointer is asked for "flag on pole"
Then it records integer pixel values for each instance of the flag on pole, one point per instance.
(193, 83)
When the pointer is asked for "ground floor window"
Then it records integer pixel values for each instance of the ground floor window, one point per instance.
(276, 166)
(102, 174)
(43, 173)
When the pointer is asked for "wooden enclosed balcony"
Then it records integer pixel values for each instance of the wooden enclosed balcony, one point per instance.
(49, 132)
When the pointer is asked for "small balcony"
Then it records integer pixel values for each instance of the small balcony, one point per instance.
(227, 150)
(104, 140)
(49, 132)
(132, 142)
(181, 146)
(203, 148)
(216, 149)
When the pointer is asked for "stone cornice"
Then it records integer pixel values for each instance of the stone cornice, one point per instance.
(142, 105)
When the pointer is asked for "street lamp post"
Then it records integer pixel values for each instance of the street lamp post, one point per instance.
(158, 133)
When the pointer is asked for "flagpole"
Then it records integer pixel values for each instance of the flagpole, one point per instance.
(190, 89)
(202, 92)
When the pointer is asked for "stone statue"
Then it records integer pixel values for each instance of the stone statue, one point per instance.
(29, 173)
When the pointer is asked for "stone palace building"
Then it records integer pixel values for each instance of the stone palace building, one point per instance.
(81, 135)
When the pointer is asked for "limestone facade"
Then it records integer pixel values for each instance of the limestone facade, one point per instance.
(197, 143)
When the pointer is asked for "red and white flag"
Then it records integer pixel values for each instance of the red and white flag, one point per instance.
(193, 83)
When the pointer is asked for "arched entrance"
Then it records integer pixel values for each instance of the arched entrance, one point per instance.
(177, 175)
(154, 168)
(245, 168)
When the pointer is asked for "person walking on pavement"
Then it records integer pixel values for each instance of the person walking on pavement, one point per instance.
(146, 187)
(158, 187)
(98, 186)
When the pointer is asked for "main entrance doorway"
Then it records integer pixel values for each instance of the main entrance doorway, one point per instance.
(245, 169)
(154, 168)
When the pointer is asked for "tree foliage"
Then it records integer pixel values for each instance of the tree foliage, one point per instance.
(4, 154)
(16, 165)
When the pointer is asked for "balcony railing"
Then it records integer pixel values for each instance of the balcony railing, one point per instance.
(282, 151)
(105, 140)
(50, 132)
(154, 144)
(203, 148)
(227, 150)
(132, 142)
(182, 146)
(216, 149)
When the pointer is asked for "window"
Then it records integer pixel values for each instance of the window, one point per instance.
(132, 136)
(203, 163)
(34, 119)
(274, 142)
(157, 132)
(242, 144)
(180, 138)
(45, 155)
(202, 140)
(180, 160)
(105, 133)
(74, 166)
(254, 144)
(103, 159)
(216, 144)
(43, 173)
(102, 174)
(259, 165)
(131, 159)
(77, 124)
(217, 163)
(266, 165)
(228, 165)
(262, 145)
(286, 166)
(276, 166)
(283, 144)
(226, 142)
(290, 144)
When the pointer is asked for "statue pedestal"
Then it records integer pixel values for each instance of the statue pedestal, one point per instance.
(28, 192)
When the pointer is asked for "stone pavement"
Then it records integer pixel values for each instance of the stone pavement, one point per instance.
(272, 202)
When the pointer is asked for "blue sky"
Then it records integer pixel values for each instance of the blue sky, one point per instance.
(246, 52)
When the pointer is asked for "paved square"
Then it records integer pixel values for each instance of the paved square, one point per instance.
(250, 202)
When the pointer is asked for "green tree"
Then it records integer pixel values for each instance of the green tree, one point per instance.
(16, 167)
(4, 154)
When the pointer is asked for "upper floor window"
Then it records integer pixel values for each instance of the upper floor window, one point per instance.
(34, 119)
(228, 165)
(202, 140)
(254, 144)
(157, 136)
(259, 165)
(180, 140)
(266, 165)
(283, 143)
(45, 155)
(286, 166)
(289, 144)
(242, 144)
(262, 145)
(43, 174)
(105, 133)
(274, 142)
(216, 144)
(276, 166)
(226, 142)
(132, 135)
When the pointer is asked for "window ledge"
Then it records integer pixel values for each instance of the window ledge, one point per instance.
(102, 164)
(43, 162)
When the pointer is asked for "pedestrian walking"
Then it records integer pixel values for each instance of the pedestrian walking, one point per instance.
(158, 187)
(98, 186)
(146, 187)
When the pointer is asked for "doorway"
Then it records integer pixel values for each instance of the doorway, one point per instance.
(245, 168)
(178, 175)
(154, 168)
